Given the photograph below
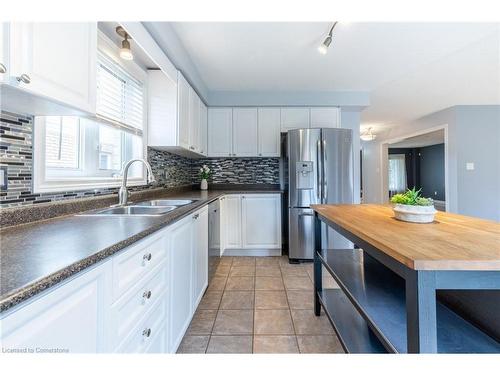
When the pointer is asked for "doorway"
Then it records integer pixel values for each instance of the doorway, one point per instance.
(420, 162)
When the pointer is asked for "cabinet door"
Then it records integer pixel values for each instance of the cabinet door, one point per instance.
(245, 132)
(269, 131)
(194, 121)
(183, 111)
(72, 316)
(204, 128)
(59, 58)
(4, 52)
(232, 221)
(294, 118)
(220, 125)
(325, 117)
(200, 251)
(261, 221)
(181, 289)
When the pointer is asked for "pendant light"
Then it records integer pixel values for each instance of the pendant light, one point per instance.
(125, 51)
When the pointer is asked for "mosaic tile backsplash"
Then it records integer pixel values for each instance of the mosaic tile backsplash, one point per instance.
(16, 160)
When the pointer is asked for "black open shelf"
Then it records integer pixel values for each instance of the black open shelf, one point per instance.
(351, 328)
(378, 295)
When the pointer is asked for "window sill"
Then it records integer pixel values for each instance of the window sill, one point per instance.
(61, 186)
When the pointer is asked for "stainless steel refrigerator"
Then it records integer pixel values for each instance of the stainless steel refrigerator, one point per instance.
(320, 171)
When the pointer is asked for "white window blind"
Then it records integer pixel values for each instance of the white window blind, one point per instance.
(120, 97)
(62, 142)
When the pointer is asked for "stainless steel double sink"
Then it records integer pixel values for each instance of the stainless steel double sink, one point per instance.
(156, 207)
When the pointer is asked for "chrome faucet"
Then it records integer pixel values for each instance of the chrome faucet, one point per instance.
(123, 192)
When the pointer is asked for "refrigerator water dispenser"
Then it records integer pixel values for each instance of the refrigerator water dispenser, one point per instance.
(305, 175)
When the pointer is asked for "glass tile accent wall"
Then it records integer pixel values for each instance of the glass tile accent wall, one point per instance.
(16, 160)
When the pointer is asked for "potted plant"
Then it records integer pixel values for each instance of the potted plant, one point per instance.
(205, 173)
(412, 207)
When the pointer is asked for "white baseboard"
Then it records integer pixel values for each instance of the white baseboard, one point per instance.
(252, 252)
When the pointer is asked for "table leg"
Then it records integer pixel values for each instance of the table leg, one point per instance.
(421, 312)
(318, 277)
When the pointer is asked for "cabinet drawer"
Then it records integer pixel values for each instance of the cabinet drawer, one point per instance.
(159, 343)
(131, 266)
(132, 307)
(147, 331)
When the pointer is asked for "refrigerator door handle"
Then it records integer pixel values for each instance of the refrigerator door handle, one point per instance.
(305, 214)
(319, 176)
(325, 174)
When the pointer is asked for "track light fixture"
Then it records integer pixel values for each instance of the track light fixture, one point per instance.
(125, 51)
(323, 47)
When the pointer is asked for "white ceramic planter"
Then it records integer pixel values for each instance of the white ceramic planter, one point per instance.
(414, 214)
(204, 184)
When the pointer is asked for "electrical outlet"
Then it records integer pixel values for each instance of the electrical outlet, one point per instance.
(469, 166)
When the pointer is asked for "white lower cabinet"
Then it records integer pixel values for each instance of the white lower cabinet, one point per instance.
(251, 224)
(140, 300)
(261, 221)
(231, 221)
(200, 255)
(72, 316)
(188, 247)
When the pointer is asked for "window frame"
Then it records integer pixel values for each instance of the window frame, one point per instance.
(41, 184)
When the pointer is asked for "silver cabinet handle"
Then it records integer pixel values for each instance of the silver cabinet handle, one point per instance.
(146, 332)
(306, 214)
(146, 294)
(24, 78)
(146, 257)
(3, 69)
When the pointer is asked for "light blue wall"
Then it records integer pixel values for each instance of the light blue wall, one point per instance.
(473, 136)
(477, 131)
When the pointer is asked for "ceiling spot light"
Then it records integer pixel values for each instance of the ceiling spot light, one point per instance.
(323, 47)
(125, 51)
(367, 135)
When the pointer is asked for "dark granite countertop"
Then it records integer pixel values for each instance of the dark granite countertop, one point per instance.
(38, 255)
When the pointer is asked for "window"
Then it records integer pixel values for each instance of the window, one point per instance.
(82, 153)
(397, 173)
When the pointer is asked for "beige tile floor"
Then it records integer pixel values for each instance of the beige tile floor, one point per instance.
(260, 305)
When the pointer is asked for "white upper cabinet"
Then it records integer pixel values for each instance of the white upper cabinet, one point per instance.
(269, 132)
(54, 63)
(325, 117)
(183, 101)
(176, 115)
(203, 128)
(245, 133)
(4, 52)
(294, 118)
(194, 121)
(220, 129)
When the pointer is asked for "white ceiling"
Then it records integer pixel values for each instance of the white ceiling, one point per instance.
(411, 69)
(423, 140)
